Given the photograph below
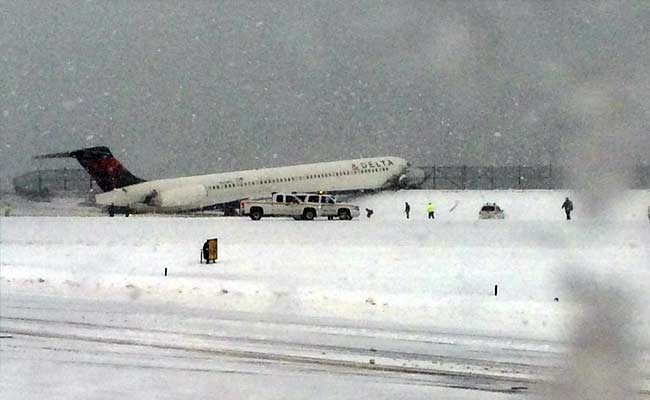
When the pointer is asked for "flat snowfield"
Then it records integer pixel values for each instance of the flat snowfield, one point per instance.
(383, 306)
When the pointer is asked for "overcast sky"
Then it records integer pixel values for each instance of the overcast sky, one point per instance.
(198, 86)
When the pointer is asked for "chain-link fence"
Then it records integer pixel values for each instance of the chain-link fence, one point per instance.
(53, 182)
(515, 177)
(69, 182)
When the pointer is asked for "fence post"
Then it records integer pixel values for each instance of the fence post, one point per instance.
(463, 174)
(491, 169)
(434, 178)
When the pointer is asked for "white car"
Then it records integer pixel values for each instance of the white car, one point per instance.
(491, 211)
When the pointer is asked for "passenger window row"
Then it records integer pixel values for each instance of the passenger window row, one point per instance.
(299, 178)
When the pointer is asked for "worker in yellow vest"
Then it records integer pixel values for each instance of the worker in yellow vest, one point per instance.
(430, 210)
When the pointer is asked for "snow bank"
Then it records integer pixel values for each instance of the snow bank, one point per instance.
(433, 274)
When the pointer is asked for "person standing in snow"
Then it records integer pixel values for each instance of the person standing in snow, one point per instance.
(568, 207)
(430, 210)
(407, 209)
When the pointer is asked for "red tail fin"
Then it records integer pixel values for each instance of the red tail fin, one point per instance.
(105, 169)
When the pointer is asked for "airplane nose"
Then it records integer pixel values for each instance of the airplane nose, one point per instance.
(412, 178)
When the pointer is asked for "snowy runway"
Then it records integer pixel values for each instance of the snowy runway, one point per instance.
(78, 343)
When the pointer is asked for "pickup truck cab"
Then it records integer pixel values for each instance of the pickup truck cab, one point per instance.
(329, 207)
(299, 206)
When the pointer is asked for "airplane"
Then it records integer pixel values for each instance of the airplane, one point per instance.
(124, 192)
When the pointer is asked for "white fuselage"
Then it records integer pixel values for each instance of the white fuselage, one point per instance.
(195, 192)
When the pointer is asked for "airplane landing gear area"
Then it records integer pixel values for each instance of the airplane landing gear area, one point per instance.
(112, 210)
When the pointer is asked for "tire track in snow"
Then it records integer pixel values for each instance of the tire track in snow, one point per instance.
(338, 359)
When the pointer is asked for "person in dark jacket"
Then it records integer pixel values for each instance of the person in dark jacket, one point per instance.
(407, 209)
(568, 207)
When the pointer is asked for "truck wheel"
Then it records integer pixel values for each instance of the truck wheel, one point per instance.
(256, 214)
(344, 214)
(309, 214)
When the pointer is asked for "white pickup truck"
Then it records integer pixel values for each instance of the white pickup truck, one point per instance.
(299, 206)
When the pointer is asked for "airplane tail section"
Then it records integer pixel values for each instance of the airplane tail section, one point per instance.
(99, 162)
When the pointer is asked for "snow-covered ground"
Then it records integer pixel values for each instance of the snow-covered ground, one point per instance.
(307, 300)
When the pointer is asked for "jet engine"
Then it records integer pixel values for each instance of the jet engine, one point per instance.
(185, 196)
(412, 178)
